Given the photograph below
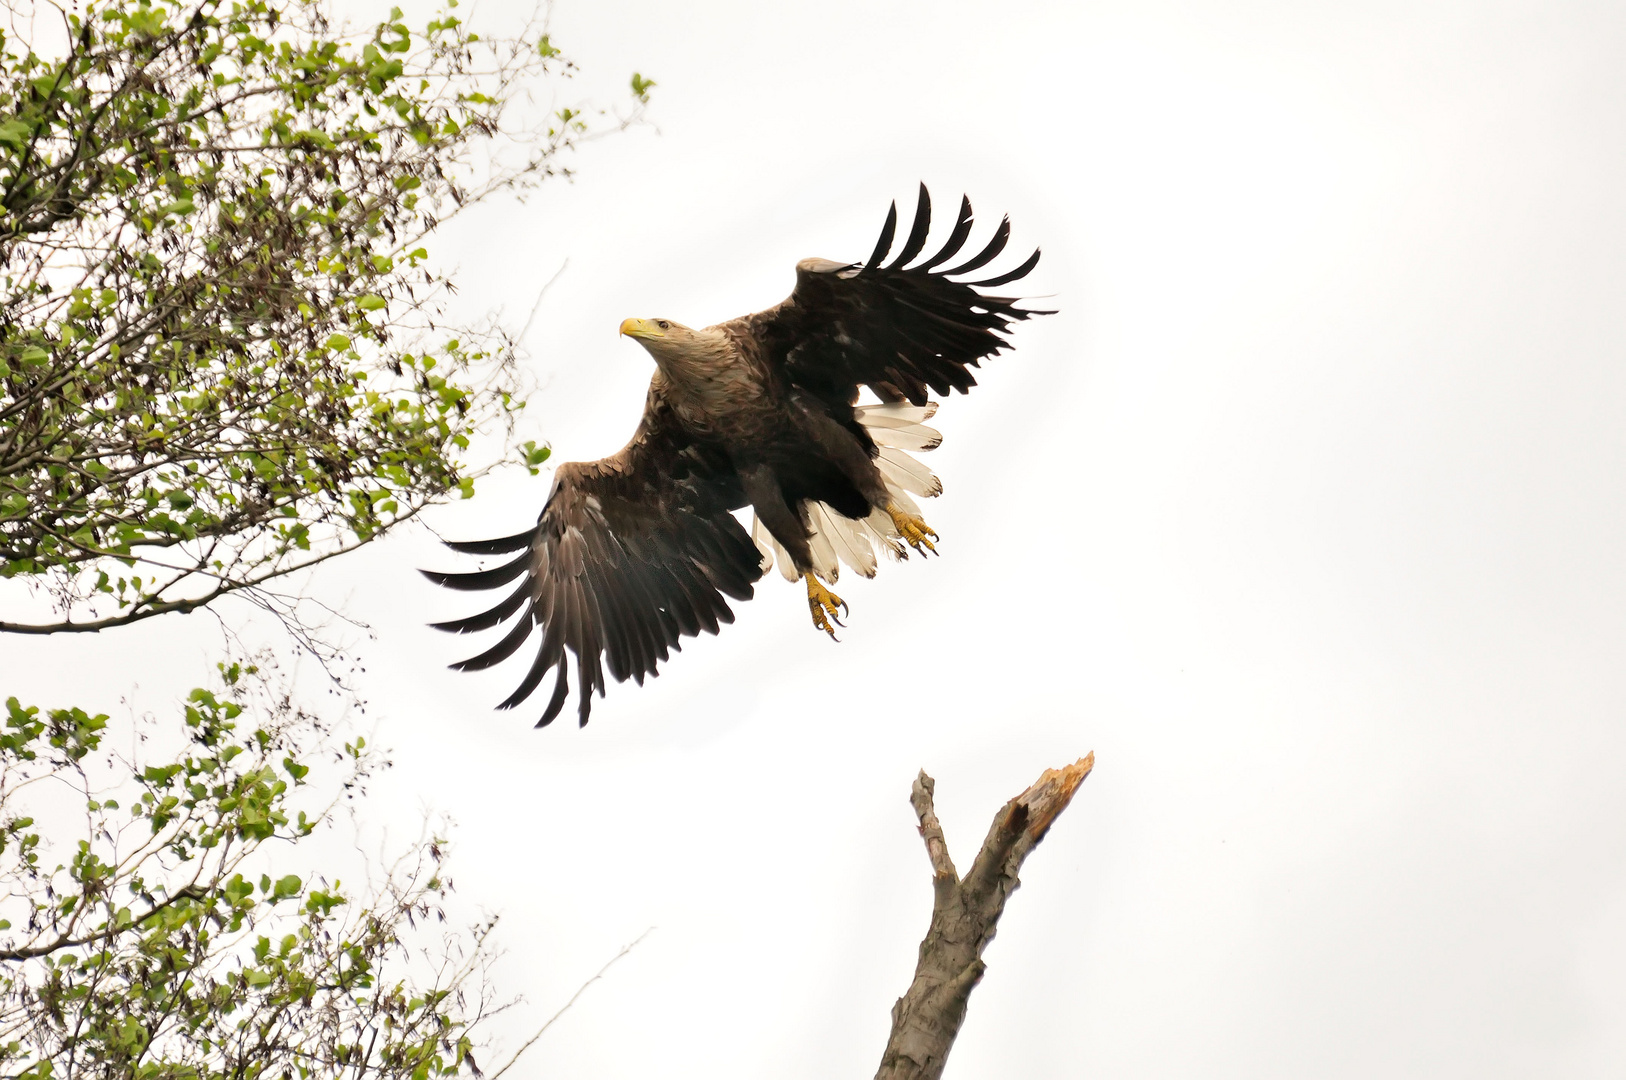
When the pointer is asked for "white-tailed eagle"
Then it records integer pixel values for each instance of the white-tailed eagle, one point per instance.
(636, 551)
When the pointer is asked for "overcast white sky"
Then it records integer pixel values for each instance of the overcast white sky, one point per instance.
(1305, 514)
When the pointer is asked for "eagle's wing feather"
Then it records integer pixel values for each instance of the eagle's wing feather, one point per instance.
(630, 554)
(903, 331)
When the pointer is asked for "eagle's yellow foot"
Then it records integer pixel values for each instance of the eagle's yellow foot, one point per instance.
(913, 530)
(825, 606)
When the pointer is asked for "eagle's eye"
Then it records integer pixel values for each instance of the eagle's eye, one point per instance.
(663, 324)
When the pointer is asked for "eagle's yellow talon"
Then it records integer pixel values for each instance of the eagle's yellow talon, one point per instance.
(825, 605)
(914, 530)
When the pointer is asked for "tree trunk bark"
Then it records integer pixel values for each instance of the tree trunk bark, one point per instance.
(965, 914)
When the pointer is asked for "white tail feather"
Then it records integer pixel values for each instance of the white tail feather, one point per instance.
(886, 429)
(901, 499)
(896, 410)
(907, 473)
(888, 422)
(852, 546)
(818, 545)
(764, 542)
(880, 526)
(772, 550)
(916, 438)
(905, 436)
(787, 569)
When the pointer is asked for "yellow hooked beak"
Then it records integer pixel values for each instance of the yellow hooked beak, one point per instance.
(641, 328)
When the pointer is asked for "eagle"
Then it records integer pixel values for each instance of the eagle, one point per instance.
(636, 551)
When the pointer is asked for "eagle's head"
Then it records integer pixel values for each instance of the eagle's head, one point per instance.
(669, 341)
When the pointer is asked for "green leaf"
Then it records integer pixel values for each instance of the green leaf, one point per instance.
(534, 455)
(14, 133)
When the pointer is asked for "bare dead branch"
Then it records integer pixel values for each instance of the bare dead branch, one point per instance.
(965, 914)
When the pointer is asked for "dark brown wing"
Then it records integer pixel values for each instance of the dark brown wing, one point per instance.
(631, 554)
(900, 330)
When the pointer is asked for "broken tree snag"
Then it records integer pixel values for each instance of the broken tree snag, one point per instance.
(965, 913)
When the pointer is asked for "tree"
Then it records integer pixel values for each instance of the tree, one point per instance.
(157, 949)
(222, 358)
(965, 913)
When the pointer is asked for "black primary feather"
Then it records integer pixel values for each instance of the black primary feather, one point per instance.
(917, 234)
(1002, 236)
(884, 244)
(956, 240)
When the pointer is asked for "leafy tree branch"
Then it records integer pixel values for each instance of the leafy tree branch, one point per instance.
(224, 353)
(153, 948)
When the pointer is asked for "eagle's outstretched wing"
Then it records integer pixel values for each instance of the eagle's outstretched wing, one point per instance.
(631, 554)
(900, 330)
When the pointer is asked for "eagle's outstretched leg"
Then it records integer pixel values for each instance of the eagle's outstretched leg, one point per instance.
(913, 529)
(825, 606)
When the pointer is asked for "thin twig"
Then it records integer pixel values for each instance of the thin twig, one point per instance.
(536, 307)
(625, 949)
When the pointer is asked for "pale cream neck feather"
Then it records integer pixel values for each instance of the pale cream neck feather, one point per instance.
(706, 378)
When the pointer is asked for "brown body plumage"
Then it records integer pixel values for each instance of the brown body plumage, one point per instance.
(640, 549)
